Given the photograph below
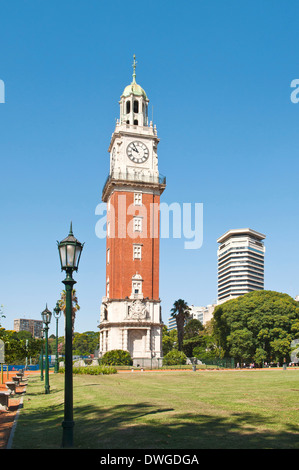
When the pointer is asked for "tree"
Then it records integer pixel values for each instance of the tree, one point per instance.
(180, 312)
(258, 326)
(193, 334)
(1, 314)
(75, 305)
(86, 343)
(174, 357)
(17, 347)
(192, 328)
(24, 335)
(169, 340)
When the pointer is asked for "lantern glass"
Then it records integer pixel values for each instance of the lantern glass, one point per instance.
(78, 254)
(57, 311)
(46, 316)
(70, 256)
(70, 251)
(62, 252)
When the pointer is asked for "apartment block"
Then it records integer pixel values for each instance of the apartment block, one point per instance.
(203, 314)
(33, 326)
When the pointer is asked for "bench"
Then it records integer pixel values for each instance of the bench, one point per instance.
(22, 380)
(4, 396)
(11, 386)
(17, 380)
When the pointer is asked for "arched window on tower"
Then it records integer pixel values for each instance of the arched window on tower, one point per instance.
(128, 107)
(136, 106)
(105, 314)
(137, 286)
(135, 122)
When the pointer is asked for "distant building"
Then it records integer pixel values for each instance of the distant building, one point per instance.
(171, 323)
(203, 314)
(33, 326)
(240, 263)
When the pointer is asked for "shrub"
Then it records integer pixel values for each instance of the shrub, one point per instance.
(91, 370)
(202, 354)
(174, 357)
(117, 357)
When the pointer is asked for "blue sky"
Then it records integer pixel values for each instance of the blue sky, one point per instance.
(218, 78)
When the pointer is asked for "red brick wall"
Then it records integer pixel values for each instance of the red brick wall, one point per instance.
(122, 266)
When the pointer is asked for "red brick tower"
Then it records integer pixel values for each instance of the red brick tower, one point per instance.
(130, 311)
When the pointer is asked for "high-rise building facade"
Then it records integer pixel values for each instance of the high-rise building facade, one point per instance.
(240, 263)
(33, 326)
(130, 312)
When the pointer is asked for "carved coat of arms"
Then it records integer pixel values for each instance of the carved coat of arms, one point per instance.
(137, 310)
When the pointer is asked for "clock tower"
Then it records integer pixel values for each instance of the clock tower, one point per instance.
(130, 311)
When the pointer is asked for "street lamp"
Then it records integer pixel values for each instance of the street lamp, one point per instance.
(69, 252)
(42, 356)
(57, 314)
(46, 317)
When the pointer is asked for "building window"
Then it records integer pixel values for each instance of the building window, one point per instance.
(135, 122)
(128, 107)
(137, 199)
(136, 251)
(108, 290)
(108, 256)
(137, 224)
(136, 106)
(136, 287)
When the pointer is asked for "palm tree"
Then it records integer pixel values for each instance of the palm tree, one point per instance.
(75, 305)
(180, 312)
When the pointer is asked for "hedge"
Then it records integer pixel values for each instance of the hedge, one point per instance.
(92, 370)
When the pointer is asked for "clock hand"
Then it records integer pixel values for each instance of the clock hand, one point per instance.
(135, 149)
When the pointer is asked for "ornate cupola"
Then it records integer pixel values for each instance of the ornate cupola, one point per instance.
(134, 103)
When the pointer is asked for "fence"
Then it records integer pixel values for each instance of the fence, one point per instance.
(157, 363)
(227, 363)
(20, 367)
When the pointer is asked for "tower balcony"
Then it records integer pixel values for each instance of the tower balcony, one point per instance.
(134, 179)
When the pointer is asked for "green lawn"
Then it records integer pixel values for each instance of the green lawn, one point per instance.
(166, 410)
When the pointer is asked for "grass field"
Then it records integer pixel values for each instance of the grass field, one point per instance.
(250, 409)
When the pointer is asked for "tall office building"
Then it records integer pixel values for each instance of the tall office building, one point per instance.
(240, 263)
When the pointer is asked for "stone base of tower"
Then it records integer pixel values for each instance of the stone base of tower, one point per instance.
(133, 325)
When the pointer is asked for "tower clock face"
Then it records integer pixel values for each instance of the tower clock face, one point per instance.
(137, 152)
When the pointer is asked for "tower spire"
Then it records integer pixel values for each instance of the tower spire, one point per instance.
(134, 69)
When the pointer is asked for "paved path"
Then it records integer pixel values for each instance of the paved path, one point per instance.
(7, 418)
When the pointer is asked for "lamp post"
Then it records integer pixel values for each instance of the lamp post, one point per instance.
(57, 313)
(69, 252)
(46, 316)
(41, 356)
